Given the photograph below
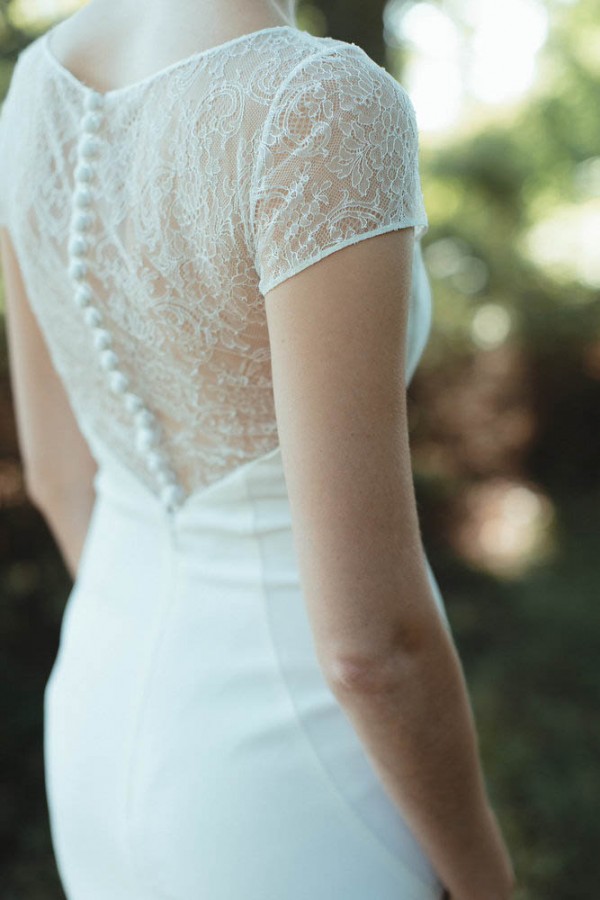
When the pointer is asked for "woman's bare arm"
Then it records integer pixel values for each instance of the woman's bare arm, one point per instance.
(57, 465)
(338, 340)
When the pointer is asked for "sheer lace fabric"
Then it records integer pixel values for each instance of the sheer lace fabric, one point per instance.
(215, 180)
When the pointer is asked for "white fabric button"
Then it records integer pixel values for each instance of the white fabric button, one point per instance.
(92, 316)
(78, 269)
(78, 246)
(154, 460)
(84, 173)
(145, 439)
(102, 338)
(109, 360)
(88, 147)
(172, 495)
(83, 197)
(133, 403)
(83, 222)
(165, 476)
(94, 100)
(144, 418)
(92, 121)
(147, 435)
(83, 296)
(119, 382)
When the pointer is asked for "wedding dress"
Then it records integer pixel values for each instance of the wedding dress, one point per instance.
(193, 748)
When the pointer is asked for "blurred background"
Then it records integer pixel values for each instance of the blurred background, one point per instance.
(504, 411)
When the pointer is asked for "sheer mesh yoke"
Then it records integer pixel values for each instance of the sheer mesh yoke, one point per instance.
(195, 192)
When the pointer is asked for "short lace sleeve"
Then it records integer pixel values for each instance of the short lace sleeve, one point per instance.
(338, 162)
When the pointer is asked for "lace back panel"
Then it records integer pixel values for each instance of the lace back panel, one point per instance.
(213, 182)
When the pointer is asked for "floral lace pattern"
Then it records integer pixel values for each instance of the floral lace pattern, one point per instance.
(339, 162)
(219, 178)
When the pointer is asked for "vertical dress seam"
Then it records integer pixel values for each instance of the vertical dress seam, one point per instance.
(168, 591)
(350, 814)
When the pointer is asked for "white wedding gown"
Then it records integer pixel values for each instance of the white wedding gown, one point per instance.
(193, 748)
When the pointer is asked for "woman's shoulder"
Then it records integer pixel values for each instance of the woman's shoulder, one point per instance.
(315, 63)
(337, 82)
(311, 48)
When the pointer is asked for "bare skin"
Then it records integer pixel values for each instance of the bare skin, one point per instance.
(108, 45)
(338, 339)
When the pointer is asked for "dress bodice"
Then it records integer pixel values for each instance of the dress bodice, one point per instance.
(150, 221)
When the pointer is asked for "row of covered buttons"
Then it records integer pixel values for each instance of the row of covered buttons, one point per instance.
(147, 437)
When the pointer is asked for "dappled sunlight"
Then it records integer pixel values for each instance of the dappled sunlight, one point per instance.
(467, 56)
(452, 259)
(33, 13)
(504, 527)
(433, 74)
(505, 40)
(567, 244)
(480, 419)
(491, 325)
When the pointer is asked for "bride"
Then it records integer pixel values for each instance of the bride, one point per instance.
(216, 300)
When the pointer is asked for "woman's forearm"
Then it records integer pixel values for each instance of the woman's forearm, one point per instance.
(416, 723)
(68, 512)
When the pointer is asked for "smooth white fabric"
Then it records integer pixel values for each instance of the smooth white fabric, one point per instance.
(193, 747)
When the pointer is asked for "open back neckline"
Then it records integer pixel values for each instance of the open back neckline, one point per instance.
(154, 76)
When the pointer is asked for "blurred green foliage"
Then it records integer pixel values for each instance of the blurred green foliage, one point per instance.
(521, 411)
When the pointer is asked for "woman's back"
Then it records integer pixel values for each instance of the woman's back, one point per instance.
(196, 742)
(171, 206)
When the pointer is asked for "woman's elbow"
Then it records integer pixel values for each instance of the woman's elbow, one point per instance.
(378, 668)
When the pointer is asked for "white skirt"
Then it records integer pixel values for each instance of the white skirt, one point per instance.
(193, 748)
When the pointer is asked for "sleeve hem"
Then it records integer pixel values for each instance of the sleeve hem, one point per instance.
(268, 284)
